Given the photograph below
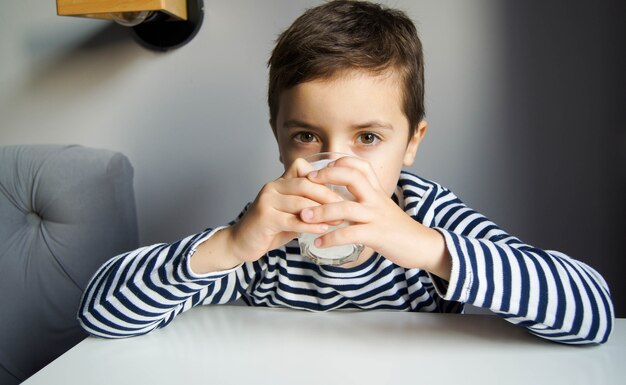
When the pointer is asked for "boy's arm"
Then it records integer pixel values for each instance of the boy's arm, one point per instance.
(144, 289)
(551, 294)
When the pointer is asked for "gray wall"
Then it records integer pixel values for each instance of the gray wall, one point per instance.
(525, 102)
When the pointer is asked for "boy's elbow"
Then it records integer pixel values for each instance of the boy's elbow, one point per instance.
(108, 333)
(96, 326)
(597, 334)
(599, 338)
(573, 339)
(86, 322)
(603, 336)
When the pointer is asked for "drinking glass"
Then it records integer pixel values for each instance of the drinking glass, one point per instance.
(334, 255)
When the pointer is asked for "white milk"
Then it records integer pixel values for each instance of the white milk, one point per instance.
(308, 248)
(335, 255)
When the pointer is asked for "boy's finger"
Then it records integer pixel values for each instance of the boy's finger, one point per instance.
(360, 164)
(353, 179)
(298, 169)
(336, 212)
(305, 188)
(344, 236)
(293, 204)
(292, 224)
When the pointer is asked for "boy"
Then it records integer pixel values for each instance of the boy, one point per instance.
(348, 77)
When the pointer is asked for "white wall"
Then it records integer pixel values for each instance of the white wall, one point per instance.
(193, 121)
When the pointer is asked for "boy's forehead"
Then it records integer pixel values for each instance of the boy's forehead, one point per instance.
(383, 75)
(349, 88)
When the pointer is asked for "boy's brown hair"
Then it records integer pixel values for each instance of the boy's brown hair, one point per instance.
(346, 35)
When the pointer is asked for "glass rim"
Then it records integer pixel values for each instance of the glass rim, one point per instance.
(324, 153)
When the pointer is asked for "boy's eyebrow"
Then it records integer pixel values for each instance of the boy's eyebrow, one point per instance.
(295, 123)
(373, 124)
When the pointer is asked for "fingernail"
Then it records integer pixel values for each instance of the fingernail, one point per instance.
(317, 242)
(313, 174)
(307, 214)
(331, 164)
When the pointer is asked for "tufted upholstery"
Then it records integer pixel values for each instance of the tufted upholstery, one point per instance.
(64, 210)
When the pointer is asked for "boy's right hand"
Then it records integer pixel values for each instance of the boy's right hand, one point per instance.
(273, 219)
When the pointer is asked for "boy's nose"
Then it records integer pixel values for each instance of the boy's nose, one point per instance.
(336, 147)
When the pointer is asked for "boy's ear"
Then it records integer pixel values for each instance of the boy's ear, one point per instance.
(414, 142)
(280, 157)
(273, 126)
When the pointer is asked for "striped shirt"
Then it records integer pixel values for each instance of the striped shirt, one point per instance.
(547, 292)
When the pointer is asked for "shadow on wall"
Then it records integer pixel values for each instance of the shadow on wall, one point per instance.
(54, 76)
(567, 125)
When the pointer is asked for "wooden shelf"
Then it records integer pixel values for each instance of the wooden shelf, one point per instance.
(102, 8)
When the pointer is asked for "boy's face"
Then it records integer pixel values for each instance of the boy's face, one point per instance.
(357, 113)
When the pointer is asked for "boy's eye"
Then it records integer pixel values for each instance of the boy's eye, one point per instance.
(305, 137)
(368, 138)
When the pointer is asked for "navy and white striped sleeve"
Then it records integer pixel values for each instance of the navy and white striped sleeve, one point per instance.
(144, 289)
(551, 294)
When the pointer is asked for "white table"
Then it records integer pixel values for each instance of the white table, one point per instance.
(242, 345)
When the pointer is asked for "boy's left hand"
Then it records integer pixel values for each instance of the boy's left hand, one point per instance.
(376, 220)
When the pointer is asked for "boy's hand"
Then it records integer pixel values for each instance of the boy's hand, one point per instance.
(377, 221)
(273, 219)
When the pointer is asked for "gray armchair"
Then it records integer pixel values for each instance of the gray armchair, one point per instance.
(64, 210)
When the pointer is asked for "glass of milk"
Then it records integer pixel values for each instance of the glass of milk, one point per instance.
(335, 255)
